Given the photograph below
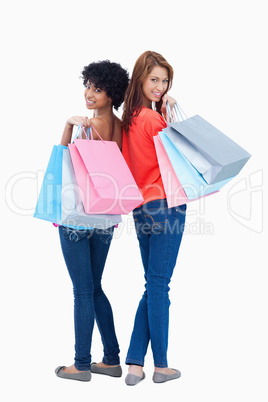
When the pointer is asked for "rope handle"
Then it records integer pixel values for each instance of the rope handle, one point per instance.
(89, 131)
(176, 114)
(91, 134)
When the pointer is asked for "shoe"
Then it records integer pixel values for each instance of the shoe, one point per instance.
(160, 377)
(132, 379)
(115, 371)
(83, 376)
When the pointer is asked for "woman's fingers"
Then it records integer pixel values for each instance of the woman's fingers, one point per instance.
(86, 122)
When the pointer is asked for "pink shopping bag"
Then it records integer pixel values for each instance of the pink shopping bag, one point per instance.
(175, 193)
(105, 182)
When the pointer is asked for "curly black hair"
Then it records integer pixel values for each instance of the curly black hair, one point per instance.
(107, 76)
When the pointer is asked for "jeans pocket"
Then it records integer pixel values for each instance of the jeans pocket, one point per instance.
(158, 227)
(181, 208)
(74, 235)
(106, 235)
(155, 224)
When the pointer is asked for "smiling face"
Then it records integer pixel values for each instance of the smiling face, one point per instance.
(96, 98)
(154, 85)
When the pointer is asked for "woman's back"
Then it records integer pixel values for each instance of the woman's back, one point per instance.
(139, 151)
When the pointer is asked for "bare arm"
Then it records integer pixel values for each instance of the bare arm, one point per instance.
(101, 125)
(67, 134)
(66, 137)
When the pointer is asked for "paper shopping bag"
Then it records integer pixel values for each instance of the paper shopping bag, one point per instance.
(58, 201)
(216, 156)
(72, 210)
(105, 182)
(191, 180)
(48, 206)
(175, 193)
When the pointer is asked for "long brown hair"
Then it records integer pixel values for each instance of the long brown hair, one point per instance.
(134, 95)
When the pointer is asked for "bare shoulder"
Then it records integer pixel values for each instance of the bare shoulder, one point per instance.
(102, 127)
(109, 129)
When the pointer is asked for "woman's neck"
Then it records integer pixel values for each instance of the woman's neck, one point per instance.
(103, 112)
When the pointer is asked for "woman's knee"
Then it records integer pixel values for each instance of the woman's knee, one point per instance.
(84, 290)
(157, 284)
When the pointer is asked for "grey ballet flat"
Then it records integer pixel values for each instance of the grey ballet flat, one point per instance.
(132, 379)
(115, 371)
(159, 377)
(83, 376)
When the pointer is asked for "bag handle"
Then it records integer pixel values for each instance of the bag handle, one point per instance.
(77, 131)
(95, 132)
(176, 114)
(89, 131)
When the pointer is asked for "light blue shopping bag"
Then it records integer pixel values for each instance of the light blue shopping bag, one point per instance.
(49, 202)
(48, 206)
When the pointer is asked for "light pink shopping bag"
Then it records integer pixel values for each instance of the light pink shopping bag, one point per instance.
(175, 193)
(105, 182)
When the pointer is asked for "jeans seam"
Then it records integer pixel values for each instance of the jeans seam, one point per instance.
(133, 361)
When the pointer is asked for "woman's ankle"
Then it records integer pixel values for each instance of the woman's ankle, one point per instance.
(101, 364)
(71, 369)
(164, 370)
(135, 369)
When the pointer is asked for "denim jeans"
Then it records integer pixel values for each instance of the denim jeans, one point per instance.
(159, 231)
(85, 253)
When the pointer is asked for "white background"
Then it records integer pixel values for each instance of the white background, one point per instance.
(218, 328)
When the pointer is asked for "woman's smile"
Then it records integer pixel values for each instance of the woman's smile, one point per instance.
(89, 102)
(157, 94)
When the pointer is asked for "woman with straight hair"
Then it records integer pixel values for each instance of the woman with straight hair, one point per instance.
(159, 228)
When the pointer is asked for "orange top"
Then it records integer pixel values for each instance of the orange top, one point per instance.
(139, 152)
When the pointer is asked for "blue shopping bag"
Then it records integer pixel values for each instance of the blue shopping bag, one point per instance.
(190, 178)
(48, 206)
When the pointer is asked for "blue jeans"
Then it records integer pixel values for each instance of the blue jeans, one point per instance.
(85, 253)
(159, 231)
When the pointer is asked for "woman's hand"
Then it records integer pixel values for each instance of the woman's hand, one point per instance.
(171, 101)
(76, 120)
(68, 129)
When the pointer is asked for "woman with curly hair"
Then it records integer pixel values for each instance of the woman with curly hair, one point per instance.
(159, 228)
(85, 251)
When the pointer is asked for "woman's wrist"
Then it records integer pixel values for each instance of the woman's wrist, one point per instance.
(69, 123)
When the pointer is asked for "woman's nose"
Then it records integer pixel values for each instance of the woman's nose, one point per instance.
(159, 87)
(88, 92)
